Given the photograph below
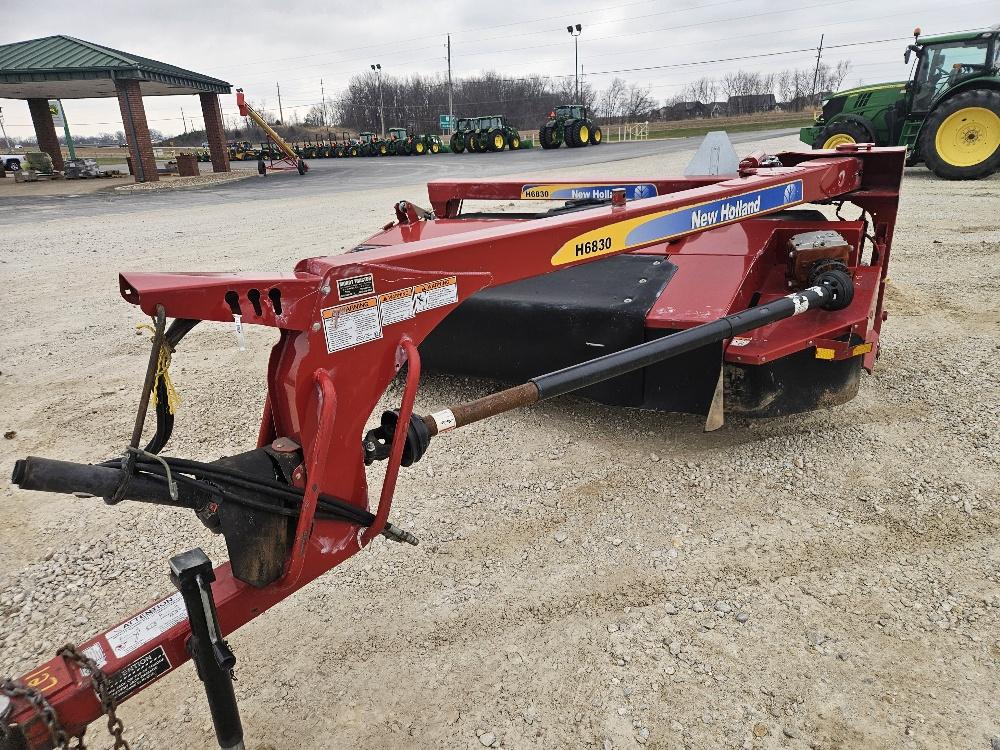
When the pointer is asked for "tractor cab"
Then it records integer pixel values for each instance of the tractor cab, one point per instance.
(569, 112)
(397, 134)
(941, 65)
(366, 137)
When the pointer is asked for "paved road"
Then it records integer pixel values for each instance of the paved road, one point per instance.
(339, 175)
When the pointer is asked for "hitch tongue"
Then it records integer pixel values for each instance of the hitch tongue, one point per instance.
(192, 574)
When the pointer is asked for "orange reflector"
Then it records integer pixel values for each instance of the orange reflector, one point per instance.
(861, 349)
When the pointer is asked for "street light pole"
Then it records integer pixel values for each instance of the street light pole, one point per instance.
(377, 67)
(575, 30)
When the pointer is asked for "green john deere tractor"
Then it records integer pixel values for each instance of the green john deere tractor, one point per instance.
(947, 115)
(403, 144)
(461, 135)
(369, 144)
(495, 134)
(569, 124)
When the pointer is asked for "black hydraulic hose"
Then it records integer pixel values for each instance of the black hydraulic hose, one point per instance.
(177, 330)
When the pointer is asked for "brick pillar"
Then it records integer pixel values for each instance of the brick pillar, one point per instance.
(216, 134)
(136, 130)
(45, 131)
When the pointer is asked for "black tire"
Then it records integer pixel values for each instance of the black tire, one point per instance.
(514, 142)
(301, 166)
(261, 167)
(496, 140)
(948, 124)
(547, 136)
(457, 143)
(419, 148)
(352, 151)
(842, 130)
(403, 148)
(596, 135)
(383, 149)
(574, 136)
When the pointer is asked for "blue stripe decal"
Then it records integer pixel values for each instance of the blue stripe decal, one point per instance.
(723, 211)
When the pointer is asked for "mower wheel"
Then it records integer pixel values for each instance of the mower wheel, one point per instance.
(302, 167)
(960, 139)
(457, 143)
(547, 136)
(596, 135)
(496, 140)
(840, 132)
(261, 167)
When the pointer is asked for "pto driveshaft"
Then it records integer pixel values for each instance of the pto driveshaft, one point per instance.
(832, 290)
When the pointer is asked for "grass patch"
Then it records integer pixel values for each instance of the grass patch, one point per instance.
(706, 126)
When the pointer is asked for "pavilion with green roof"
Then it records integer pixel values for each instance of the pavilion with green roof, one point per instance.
(62, 67)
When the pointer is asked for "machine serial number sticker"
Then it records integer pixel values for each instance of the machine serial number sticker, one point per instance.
(145, 626)
(582, 192)
(396, 306)
(350, 325)
(356, 286)
(673, 223)
(434, 294)
(139, 673)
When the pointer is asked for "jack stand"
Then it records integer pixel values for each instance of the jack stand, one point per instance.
(192, 574)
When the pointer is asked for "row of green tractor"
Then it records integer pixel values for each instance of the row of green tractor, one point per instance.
(397, 143)
(947, 114)
(478, 135)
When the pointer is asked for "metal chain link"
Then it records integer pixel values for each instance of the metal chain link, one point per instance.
(41, 706)
(115, 726)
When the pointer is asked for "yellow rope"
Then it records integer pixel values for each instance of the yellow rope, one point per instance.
(163, 372)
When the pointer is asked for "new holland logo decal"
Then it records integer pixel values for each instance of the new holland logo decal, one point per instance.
(582, 191)
(673, 223)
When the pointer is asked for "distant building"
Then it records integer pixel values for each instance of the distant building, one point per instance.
(684, 111)
(748, 104)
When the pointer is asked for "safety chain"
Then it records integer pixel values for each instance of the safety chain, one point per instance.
(14, 689)
(115, 726)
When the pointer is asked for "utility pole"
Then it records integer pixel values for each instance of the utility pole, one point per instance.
(281, 112)
(184, 120)
(451, 99)
(323, 93)
(819, 56)
(4, 131)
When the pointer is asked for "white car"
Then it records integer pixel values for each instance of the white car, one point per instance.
(13, 162)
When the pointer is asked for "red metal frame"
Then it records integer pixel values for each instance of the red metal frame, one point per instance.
(323, 400)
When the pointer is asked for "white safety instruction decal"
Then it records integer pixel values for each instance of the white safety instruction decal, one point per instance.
(96, 654)
(396, 306)
(146, 626)
(355, 286)
(352, 324)
(739, 341)
(433, 294)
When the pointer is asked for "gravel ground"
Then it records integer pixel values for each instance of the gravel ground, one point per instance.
(587, 577)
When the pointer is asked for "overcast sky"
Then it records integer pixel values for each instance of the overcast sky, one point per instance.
(255, 44)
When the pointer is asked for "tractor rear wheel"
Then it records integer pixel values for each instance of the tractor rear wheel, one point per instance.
(473, 143)
(457, 143)
(842, 131)
(496, 140)
(547, 136)
(577, 134)
(960, 140)
(352, 151)
(596, 135)
(383, 149)
(419, 148)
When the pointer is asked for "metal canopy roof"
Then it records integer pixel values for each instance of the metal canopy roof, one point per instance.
(61, 67)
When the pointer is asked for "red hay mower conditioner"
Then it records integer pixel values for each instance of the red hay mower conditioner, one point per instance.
(770, 307)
